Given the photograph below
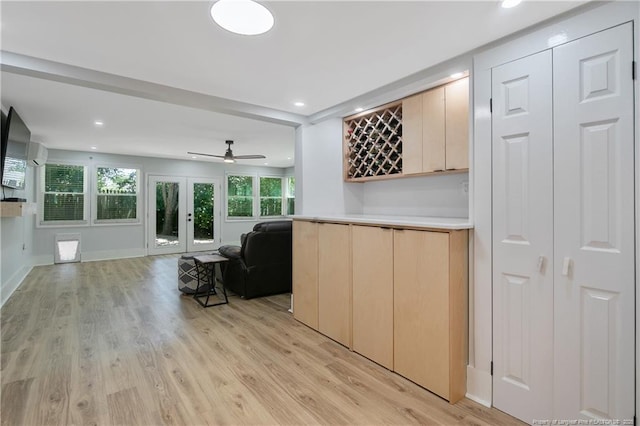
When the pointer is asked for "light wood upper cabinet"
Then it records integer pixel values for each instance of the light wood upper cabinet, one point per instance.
(435, 129)
(305, 272)
(457, 124)
(372, 261)
(334, 282)
(412, 135)
(430, 310)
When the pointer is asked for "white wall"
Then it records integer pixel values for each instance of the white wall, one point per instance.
(319, 171)
(116, 241)
(16, 243)
(418, 196)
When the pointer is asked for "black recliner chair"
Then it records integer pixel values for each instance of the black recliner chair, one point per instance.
(262, 265)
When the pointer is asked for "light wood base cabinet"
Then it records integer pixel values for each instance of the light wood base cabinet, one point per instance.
(430, 310)
(334, 282)
(373, 293)
(398, 297)
(305, 273)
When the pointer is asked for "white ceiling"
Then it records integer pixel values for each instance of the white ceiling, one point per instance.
(320, 52)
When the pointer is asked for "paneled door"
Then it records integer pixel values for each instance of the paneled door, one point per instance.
(523, 237)
(184, 214)
(565, 195)
(593, 217)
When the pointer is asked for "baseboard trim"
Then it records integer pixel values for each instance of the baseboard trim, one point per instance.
(14, 282)
(479, 386)
(94, 256)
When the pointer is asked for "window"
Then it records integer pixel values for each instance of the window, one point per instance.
(270, 196)
(239, 196)
(64, 193)
(117, 194)
(291, 195)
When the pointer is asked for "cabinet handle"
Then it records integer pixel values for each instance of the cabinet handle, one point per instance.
(566, 266)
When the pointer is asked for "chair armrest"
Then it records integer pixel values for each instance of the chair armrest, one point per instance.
(230, 252)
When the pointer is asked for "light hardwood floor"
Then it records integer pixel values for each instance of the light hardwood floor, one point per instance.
(114, 343)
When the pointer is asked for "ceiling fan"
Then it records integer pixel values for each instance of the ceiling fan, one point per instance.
(228, 155)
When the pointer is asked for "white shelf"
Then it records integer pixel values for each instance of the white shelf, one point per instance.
(16, 209)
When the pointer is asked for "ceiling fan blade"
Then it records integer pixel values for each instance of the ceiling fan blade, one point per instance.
(207, 155)
(248, 157)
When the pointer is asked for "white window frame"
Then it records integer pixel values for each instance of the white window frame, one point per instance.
(94, 196)
(282, 198)
(255, 206)
(285, 195)
(40, 222)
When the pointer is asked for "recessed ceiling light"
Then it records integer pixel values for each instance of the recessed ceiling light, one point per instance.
(99, 123)
(359, 109)
(193, 156)
(244, 17)
(508, 4)
(94, 147)
(299, 104)
(288, 158)
(266, 164)
(456, 75)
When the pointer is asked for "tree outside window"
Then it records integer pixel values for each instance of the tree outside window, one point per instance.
(291, 195)
(117, 197)
(270, 196)
(64, 193)
(239, 196)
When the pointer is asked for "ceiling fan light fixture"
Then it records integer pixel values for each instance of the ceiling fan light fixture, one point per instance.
(229, 160)
(245, 17)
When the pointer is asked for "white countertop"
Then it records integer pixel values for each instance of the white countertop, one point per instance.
(451, 223)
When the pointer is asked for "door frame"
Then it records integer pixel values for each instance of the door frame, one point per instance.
(592, 18)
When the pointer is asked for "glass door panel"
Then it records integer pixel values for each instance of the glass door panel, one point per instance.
(203, 214)
(167, 224)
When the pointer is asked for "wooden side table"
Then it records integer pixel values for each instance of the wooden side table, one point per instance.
(207, 279)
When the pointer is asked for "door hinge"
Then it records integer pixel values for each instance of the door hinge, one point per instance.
(633, 70)
(491, 368)
(491, 105)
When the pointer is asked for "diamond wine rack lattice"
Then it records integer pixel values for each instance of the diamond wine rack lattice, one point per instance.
(373, 143)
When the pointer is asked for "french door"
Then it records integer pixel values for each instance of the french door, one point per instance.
(184, 214)
(563, 231)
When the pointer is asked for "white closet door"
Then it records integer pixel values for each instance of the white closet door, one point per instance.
(594, 227)
(523, 237)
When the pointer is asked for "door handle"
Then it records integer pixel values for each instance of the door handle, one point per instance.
(566, 266)
(541, 262)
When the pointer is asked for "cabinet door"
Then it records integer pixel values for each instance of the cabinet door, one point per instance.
(334, 282)
(305, 272)
(421, 308)
(457, 124)
(433, 130)
(373, 293)
(412, 135)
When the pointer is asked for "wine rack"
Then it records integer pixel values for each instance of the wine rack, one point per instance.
(373, 143)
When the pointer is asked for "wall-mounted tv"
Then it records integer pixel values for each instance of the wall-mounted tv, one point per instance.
(15, 144)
